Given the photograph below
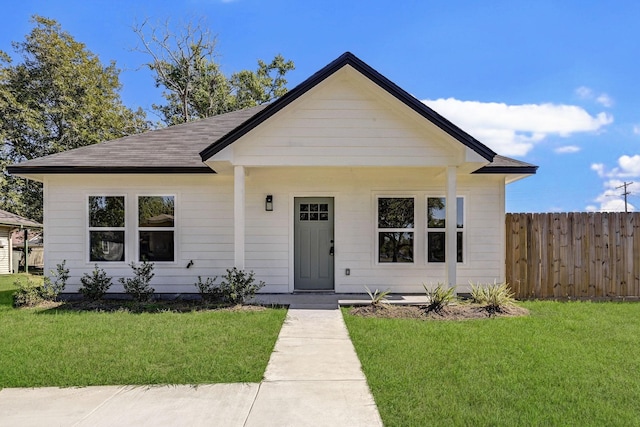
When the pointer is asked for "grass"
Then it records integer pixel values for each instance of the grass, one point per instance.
(63, 348)
(566, 364)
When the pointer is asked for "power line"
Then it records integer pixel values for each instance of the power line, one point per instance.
(625, 193)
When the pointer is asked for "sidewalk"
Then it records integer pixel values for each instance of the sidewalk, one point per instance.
(313, 379)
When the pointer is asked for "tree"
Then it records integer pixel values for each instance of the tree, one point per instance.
(194, 86)
(58, 98)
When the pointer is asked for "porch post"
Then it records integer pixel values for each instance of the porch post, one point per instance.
(238, 215)
(451, 208)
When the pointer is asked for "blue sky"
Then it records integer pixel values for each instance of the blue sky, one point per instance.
(554, 83)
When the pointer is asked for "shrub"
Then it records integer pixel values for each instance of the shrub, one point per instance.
(209, 291)
(95, 285)
(378, 298)
(495, 298)
(29, 293)
(238, 286)
(138, 286)
(439, 297)
(52, 288)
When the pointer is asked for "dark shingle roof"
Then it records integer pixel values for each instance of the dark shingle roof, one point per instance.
(184, 148)
(170, 149)
(7, 218)
(506, 165)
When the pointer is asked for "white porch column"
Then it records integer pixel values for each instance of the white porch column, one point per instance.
(238, 215)
(451, 231)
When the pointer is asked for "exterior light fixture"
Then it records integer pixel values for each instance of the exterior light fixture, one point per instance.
(268, 203)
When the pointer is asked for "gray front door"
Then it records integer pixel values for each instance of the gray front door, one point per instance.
(313, 243)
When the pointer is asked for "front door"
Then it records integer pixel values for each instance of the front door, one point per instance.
(313, 243)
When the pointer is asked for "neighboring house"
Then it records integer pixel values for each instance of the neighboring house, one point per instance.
(341, 183)
(8, 223)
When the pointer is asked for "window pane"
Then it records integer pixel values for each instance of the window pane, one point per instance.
(395, 212)
(436, 246)
(106, 245)
(106, 211)
(436, 212)
(155, 211)
(395, 247)
(156, 245)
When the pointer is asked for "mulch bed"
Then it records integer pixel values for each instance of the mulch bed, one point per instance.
(451, 312)
(177, 306)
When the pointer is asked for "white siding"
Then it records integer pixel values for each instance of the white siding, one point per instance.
(5, 258)
(345, 121)
(204, 227)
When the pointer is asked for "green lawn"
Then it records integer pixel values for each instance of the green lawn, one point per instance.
(565, 364)
(63, 348)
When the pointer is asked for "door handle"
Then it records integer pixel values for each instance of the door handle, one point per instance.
(331, 251)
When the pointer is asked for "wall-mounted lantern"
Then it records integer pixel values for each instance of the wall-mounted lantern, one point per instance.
(268, 203)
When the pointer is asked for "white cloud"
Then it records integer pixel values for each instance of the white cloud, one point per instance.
(584, 92)
(513, 130)
(605, 100)
(587, 93)
(636, 129)
(628, 167)
(567, 149)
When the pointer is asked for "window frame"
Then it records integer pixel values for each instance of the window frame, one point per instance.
(91, 229)
(379, 230)
(173, 229)
(459, 230)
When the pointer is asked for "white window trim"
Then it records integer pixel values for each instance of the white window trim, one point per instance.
(378, 230)
(174, 228)
(427, 229)
(89, 229)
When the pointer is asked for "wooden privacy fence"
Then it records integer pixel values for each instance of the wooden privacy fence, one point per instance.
(573, 255)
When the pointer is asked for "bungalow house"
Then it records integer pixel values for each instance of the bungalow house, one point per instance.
(345, 181)
(10, 222)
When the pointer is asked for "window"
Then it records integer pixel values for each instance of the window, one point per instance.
(106, 228)
(314, 212)
(156, 228)
(436, 214)
(396, 227)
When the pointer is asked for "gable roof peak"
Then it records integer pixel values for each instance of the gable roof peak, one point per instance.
(366, 70)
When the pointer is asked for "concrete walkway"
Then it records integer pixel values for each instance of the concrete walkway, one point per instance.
(313, 379)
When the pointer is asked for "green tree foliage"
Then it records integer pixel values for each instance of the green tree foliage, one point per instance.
(194, 86)
(59, 97)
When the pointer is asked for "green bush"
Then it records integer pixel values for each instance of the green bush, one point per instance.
(209, 291)
(238, 286)
(29, 293)
(378, 297)
(56, 282)
(439, 297)
(495, 298)
(138, 286)
(95, 285)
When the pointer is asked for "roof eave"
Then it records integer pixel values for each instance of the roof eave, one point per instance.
(508, 170)
(58, 170)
